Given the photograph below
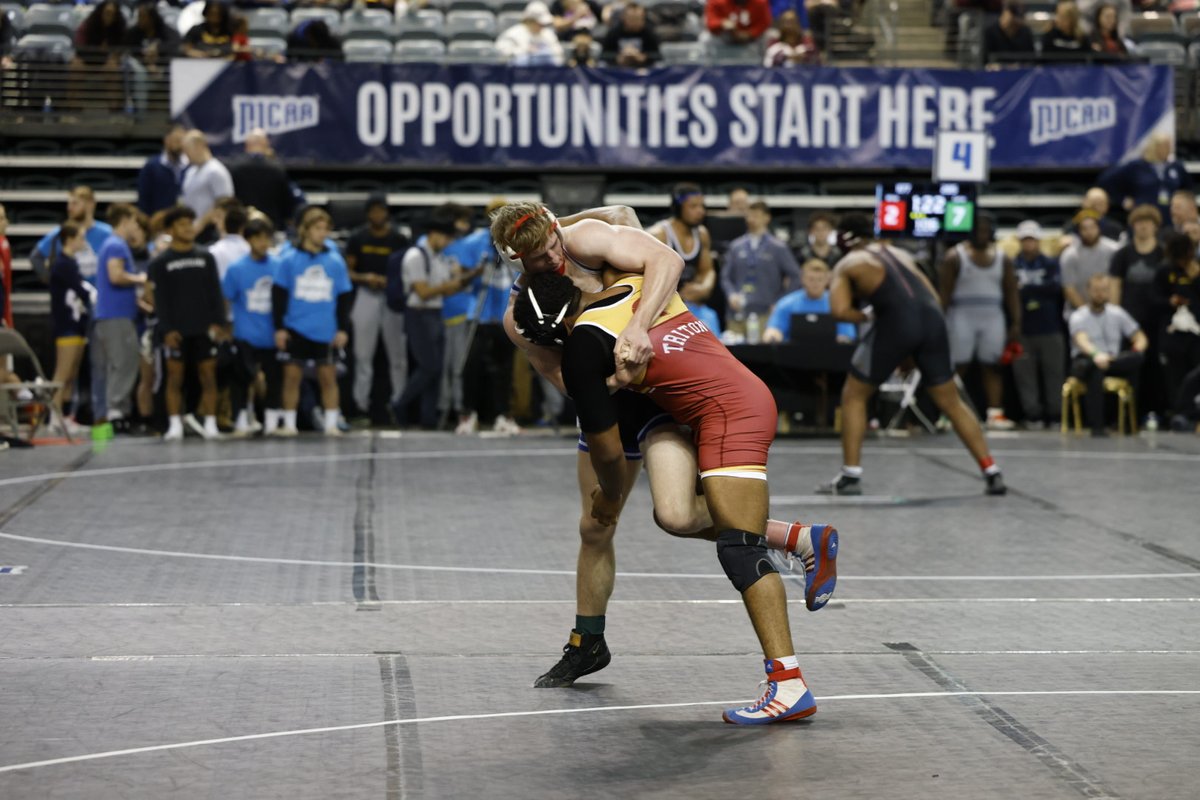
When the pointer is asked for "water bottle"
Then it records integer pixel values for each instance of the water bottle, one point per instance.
(1151, 422)
(753, 329)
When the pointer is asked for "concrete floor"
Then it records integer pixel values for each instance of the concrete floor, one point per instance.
(364, 619)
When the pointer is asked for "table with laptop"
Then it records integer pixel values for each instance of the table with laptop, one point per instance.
(812, 363)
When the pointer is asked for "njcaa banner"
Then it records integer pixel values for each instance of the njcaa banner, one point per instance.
(729, 117)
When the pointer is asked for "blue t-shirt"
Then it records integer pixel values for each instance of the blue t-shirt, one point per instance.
(469, 251)
(95, 236)
(247, 287)
(313, 282)
(800, 303)
(114, 302)
(706, 315)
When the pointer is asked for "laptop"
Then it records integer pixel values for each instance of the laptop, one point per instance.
(813, 329)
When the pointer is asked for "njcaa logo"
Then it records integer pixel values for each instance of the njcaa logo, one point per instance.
(274, 114)
(1054, 119)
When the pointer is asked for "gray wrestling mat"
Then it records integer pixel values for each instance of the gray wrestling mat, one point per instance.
(364, 618)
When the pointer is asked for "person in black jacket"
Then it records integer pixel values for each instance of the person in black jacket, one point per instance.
(261, 182)
(1008, 40)
(1065, 42)
(70, 303)
(632, 42)
(161, 176)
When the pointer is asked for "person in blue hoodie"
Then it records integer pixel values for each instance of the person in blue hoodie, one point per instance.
(247, 286)
(310, 305)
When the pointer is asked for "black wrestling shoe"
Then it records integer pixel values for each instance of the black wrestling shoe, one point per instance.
(583, 654)
(842, 484)
(995, 484)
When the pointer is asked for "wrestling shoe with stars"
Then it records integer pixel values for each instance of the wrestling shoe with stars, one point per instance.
(785, 699)
(583, 654)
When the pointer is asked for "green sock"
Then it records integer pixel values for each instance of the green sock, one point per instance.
(592, 625)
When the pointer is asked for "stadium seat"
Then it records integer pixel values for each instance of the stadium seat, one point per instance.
(473, 52)
(371, 23)
(510, 7)
(455, 6)
(419, 51)
(98, 180)
(268, 22)
(1153, 25)
(39, 147)
(363, 185)
(506, 19)
(1172, 53)
(721, 53)
(43, 45)
(16, 15)
(371, 51)
(682, 53)
(425, 24)
(268, 45)
(47, 19)
(37, 182)
(471, 25)
(1191, 26)
(331, 17)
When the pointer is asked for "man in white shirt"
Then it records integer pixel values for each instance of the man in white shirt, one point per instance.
(1097, 332)
(205, 180)
(532, 41)
(230, 217)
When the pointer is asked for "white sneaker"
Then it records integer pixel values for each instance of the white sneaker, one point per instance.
(194, 425)
(467, 425)
(507, 427)
(175, 435)
(285, 432)
(335, 433)
(996, 421)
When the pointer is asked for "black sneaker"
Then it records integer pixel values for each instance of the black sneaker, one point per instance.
(842, 484)
(995, 484)
(584, 654)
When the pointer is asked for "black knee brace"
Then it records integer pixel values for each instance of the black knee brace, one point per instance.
(743, 556)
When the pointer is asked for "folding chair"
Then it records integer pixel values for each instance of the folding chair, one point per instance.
(41, 391)
(905, 386)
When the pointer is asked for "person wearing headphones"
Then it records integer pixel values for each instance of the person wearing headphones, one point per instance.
(685, 233)
(906, 323)
(978, 284)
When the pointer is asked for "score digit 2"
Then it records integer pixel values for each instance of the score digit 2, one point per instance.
(892, 215)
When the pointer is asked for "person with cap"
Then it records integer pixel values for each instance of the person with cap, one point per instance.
(1091, 255)
(1039, 282)
(427, 275)
(1008, 39)
(532, 41)
(906, 324)
(978, 285)
(367, 252)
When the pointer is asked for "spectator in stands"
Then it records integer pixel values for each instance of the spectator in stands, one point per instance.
(312, 40)
(212, 38)
(1098, 332)
(1008, 39)
(1065, 41)
(247, 287)
(427, 276)
(152, 43)
(205, 180)
(70, 305)
(758, 268)
(261, 182)
(632, 41)
(1150, 179)
(99, 50)
(581, 53)
(8, 37)
(572, 17)
(797, 7)
(820, 240)
(161, 176)
(795, 46)
(532, 42)
(81, 210)
(1096, 199)
(1177, 293)
(737, 21)
(1040, 285)
(1091, 255)
(229, 216)
(739, 202)
(115, 347)
(367, 253)
(1106, 40)
(813, 298)
(1133, 269)
(191, 318)
(978, 288)
(310, 302)
(1183, 209)
(685, 233)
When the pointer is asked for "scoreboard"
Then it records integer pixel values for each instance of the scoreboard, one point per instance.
(910, 210)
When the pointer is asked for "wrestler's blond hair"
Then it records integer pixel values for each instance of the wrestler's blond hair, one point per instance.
(521, 227)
